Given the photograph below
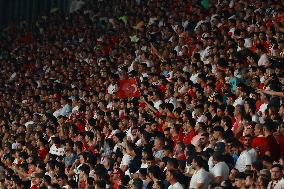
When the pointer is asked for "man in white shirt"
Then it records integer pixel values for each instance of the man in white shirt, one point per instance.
(158, 151)
(66, 105)
(218, 133)
(200, 128)
(75, 104)
(245, 159)
(171, 177)
(201, 178)
(248, 146)
(156, 100)
(220, 170)
(56, 148)
(264, 100)
(194, 73)
(263, 60)
(277, 177)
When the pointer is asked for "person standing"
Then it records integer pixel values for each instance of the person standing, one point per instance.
(277, 177)
(171, 177)
(201, 178)
(220, 170)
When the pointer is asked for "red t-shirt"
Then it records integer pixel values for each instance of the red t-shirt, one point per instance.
(42, 153)
(274, 147)
(188, 137)
(219, 86)
(176, 139)
(181, 157)
(260, 144)
(34, 187)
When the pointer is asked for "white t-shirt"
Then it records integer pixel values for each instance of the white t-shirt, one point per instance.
(172, 100)
(177, 185)
(210, 163)
(200, 176)
(193, 78)
(263, 60)
(248, 43)
(238, 101)
(195, 140)
(157, 104)
(56, 151)
(253, 153)
(57, 113)
(279, 185)
(201, 118)
(221, 169)
(112, 88)
(263, 107)
(159, 154)
(125, 160)
(243, 160)
(75, 109)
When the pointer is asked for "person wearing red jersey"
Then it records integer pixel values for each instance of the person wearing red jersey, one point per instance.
(273, 145)
(189, 132)
(259, 142)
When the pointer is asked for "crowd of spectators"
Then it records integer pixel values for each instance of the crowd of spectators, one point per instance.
(210, 113)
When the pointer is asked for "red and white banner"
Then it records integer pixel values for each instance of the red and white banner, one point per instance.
(128, 88)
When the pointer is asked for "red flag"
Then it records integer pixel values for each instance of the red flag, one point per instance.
(128, 88)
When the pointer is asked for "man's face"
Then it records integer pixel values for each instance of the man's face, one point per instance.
(168, 176)
(156, 144)
(203, 140)
(216, 135)
(178, 148)
(194, 164)
(249, 130)
(197, 127)
(220, 112)
(238, 182)
(61, 181)
(247, 141)
(257, 131)
(276, 174)
(35, 181)
(167, 134)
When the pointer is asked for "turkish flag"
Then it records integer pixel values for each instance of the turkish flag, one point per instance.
(128, 88)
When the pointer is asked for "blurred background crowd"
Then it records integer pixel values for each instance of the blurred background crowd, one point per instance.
(145, 94)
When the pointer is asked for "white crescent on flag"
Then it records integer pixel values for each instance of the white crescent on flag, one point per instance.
(135, 88)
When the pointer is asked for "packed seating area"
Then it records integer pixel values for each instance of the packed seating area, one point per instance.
(145, 94)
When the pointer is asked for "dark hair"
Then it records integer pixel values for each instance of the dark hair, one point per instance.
(218, 157)
(205, 135)
(138, 183)
(79, 145)
(72, 183)
(85, 168)
(203, 126)
(160, 184)
(228, 121)
(90, 135)
(200, 162)
(173, 161)
(55, 186)
(100, 184)
(261, 47)
(219, 129)
(278, 166)
(265, 180)
(175, 174)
